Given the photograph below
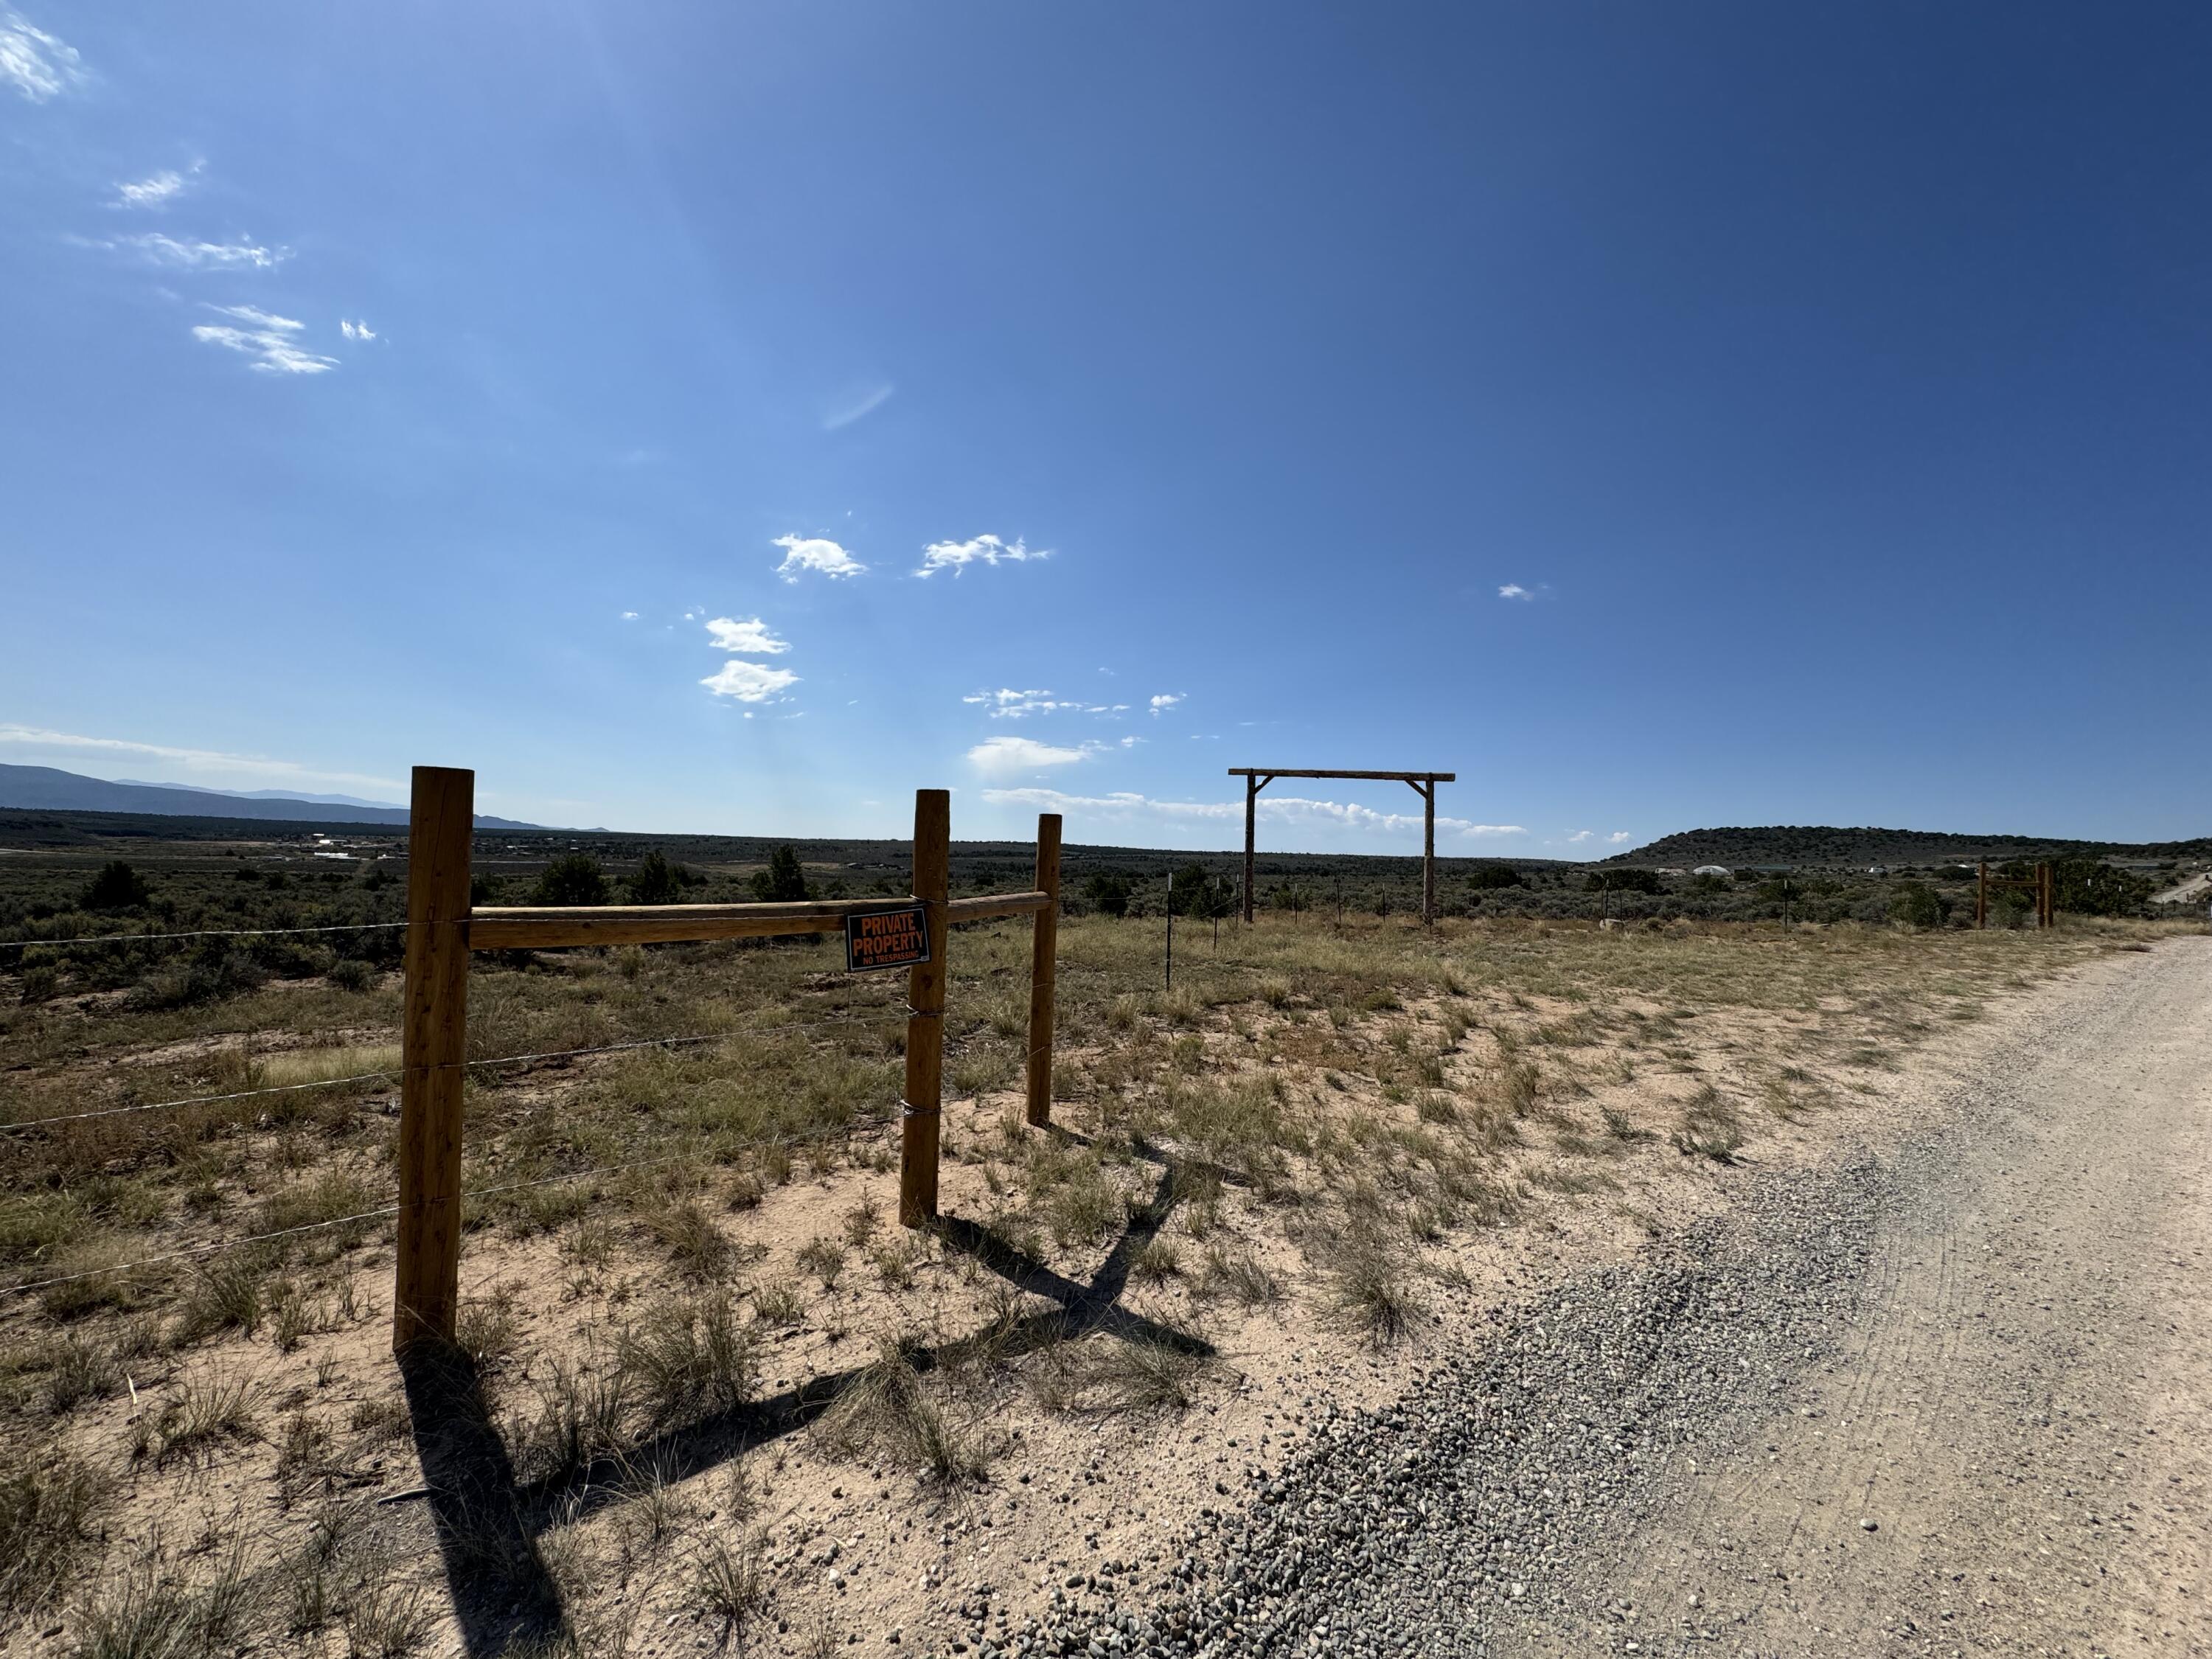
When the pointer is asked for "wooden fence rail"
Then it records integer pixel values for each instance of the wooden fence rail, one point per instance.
(443, 929)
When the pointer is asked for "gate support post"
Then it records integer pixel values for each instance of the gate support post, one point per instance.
(434, 1047)
(1251, 814)
(1044, 946)
(1428, 852)
(924, 999)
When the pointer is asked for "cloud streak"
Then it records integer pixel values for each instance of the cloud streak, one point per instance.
(201, 760)
(188, 255)
(957, 556)
(1007, 704)
(270, 341)
(859, 409)
(37, 65)
(1277, 808)
(1005, 757)
(157, 191)
(817, 553)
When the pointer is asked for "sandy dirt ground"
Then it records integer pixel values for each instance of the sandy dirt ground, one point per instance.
(2013, 1454)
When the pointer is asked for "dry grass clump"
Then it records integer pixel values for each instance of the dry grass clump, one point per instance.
(727, 1584)
(1130, 1373)
(688, 1358)
(49, 1506)
(888, 1409)
(1710, 1127)
(1374, 1292)
(579, 1417)
(1240, 1277)
(153, 1611)
(201, 1411)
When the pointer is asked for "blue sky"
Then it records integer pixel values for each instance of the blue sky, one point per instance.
(731, 417)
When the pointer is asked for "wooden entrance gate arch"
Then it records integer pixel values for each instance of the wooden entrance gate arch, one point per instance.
(1257, 778)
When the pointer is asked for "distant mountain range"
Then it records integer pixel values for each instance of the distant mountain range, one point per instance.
(46, 789)
(268, 794)
(1825, 844)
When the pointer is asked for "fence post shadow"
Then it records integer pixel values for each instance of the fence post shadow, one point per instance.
(502, 1593)
(682, 1453)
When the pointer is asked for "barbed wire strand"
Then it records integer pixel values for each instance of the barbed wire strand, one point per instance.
(389, 1076)
(203, 932)
(846, 1131)
(200, 1249)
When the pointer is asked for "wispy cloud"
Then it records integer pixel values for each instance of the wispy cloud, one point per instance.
(272, 342)
(1514, 591)
(1004, 756)
(804, 553)
(957, 556)
(197, 760)
(356, 330)
(203, 256)
(157, 191)
(37, 65)
(1006, 704)
(1166, 701)
(858, 408)
(748, 682)
(748, 635)
(629, 615)
(1281, 809)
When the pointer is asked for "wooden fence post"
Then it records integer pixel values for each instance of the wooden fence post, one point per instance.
(925, 999)
(1428, 853)
(434, 1046)
(1044, 948)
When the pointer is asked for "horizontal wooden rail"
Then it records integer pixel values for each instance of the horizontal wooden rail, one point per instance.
(984, 907)
(541, 927)
(528, 927)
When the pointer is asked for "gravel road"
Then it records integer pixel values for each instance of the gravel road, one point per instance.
(1949, 1395)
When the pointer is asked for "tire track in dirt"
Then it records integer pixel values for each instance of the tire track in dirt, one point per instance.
(2010, 1454)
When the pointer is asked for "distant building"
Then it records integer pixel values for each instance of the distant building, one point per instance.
(1713, 869)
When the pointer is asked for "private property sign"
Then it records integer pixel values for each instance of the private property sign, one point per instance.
(886, 938)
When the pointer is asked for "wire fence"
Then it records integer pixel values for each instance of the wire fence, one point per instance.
(72, 940)
(393, 1076)
(725, 1153)
(873, 1018)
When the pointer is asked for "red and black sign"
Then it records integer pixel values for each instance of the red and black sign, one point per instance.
(886, 938)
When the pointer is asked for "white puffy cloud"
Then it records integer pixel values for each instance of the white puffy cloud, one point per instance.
(204, 256)
(1003, 757)
(1281, 809)
(155, 191)
(1166, 701)
(1618, 836)
(37, 65)
(748, 682)
(749, 635)
(1514, 591)
(957, 556)
(1581, 834)
(272, 342)
(804, 553)
(629, 615)
(356, 330)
